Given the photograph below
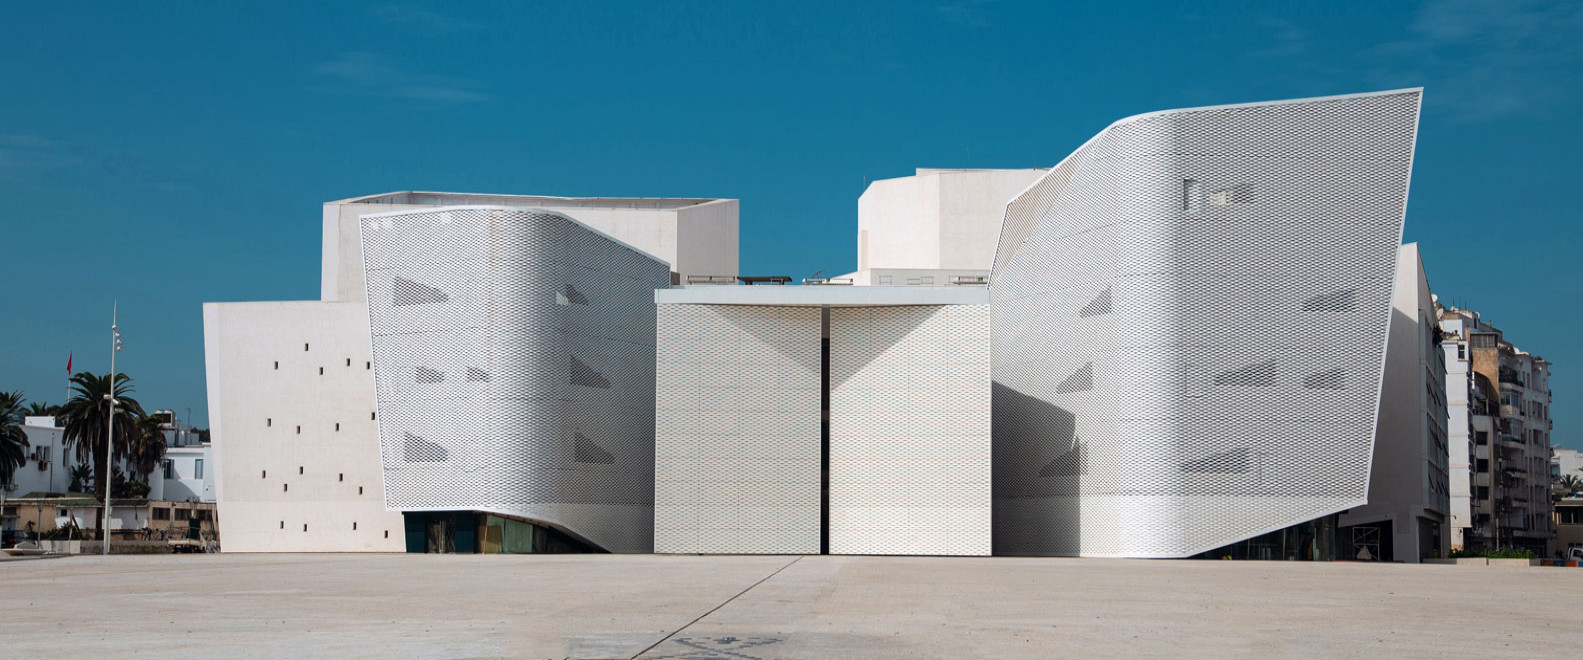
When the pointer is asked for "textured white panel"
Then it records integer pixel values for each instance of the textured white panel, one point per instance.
(1190, 317)
(909, 430)
(737, 455)
(513, 361)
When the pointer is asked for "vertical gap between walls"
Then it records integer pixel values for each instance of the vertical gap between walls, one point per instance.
(824, 431)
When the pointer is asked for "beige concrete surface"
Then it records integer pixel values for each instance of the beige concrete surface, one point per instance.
(398, 606)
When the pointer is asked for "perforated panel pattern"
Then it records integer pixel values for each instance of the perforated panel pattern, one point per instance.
(1228, 383)
(495, 392)
(909, 430)
(737, 455)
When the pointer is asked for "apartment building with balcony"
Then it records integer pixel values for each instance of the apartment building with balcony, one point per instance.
(1506, 391)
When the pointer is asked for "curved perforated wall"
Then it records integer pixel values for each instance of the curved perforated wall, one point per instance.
(909, 430)
(514, 368)
(737, 438)
(1189, 318)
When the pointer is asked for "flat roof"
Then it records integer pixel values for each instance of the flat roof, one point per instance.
(822, 295)
(428, 198)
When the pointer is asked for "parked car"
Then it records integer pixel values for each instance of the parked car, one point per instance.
(9, 538)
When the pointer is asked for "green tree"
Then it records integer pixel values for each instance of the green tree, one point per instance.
(13, 440)
(146, 446)
(41, 409)
(87, 414)
(1570, 484)
(81, 477)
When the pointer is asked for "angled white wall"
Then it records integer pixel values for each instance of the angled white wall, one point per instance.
(1190, 318)
(291, 414)
(514, 366)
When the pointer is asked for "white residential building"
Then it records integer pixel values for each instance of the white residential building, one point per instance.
(1508, 431)
(1567, 462)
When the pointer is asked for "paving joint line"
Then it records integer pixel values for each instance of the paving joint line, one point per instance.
(717, 607)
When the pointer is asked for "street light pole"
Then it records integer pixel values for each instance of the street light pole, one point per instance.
(109, 437)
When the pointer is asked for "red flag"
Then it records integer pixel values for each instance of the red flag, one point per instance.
(68, 363)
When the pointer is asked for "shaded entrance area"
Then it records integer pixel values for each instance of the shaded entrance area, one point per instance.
(473, 532)
(1315, 540)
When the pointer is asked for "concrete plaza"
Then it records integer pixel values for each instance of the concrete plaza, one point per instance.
(621, 606)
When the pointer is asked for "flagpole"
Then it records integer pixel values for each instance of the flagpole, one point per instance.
(109, 439)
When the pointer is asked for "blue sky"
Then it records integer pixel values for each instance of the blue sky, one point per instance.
(175, 153)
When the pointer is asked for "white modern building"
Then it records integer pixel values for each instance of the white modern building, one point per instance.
(1406, 518)
(292, 406)
(1185, 344)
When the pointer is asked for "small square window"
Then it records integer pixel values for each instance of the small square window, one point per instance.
(321, 371)
(299, 469)
(304, 527)
(359, 490)
(299, 429)
(277, 364)
(263, 474)
(304, 347)
(373, 415)
(282, 524)
(340, 477)
(269, 421)
(285, 488)
(337, 426)
(348, 362)
(354, 526)
(387, 533)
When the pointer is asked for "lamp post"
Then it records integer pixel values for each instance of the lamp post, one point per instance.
(109, 437)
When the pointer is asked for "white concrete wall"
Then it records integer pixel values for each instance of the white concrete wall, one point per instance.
(185, 483)
(1458, 440)
(898, 223)
(1408, 479)
(282, 463)
(1569, 461)
(936, 218)
(972, 204)
(707, 239)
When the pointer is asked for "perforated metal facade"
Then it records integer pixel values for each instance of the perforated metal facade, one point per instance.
(514, 368)
(909, 430)
(737, 443)
(1190, 316)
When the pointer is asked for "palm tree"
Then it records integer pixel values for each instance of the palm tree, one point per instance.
(41, 409)
(146, 446)
(13, 440)
(81, 478)
(86, 415)
(1570, 484)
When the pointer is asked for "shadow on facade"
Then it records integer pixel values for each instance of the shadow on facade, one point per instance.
(1038, 464)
